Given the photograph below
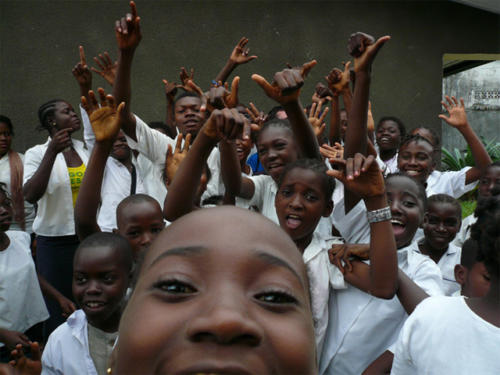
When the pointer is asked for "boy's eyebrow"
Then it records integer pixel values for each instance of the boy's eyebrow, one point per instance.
(275, 261)
(182, 251)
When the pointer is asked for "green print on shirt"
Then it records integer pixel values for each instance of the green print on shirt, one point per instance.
(75, 178)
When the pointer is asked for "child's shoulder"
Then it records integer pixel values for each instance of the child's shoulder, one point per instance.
(19, 241)
(75, 323)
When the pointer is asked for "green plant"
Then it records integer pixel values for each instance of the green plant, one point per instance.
(457, 159)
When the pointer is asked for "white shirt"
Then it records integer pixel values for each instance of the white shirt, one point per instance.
(21, 300)
(116, 181)
(361, 327)
(464, 232)
(67, 351)
(29, 209)
(444, 336)
(152, 146)
(55, 216)
(450, 182)
(353, 226)
(447, 265)
(322, 275)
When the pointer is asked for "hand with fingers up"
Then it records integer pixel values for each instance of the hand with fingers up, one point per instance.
(82, 73)
(107, 118)
(286, 85)
(107, 66)
(456, 112)
(128, 30)
(364, 49)
(174, 159)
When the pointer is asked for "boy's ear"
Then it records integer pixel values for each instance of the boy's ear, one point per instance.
(460, 274)
(328, 208)
(425, 220)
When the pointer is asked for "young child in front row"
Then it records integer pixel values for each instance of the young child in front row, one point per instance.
(102, 270)
(455, 335)
(230, 297)
(442, 221)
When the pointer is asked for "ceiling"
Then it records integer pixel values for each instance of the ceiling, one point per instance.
(489, 5)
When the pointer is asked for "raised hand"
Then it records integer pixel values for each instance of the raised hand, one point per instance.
(332, 152)
(239, 55)
(321, 93)
(287, 83)
(128, 30)
(338, 80)
(360, 174)
(170, 90)
(231, 98)
(344, 252)
(174, 159)
(185, 77)
(107, 66)
(258, 117)
(107, 119)
(364, 48)
(61, 141)
(317, 119)
(27, 366)
(370, 122)
(227, 124)
(457, 116)
(81, 71)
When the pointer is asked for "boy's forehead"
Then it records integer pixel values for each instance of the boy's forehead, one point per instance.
(227, 227)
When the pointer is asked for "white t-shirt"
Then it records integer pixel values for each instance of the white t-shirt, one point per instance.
(362, 327)
(29, 209)
(21, 300)
(464, 232)
(55, 215)
(322, 276)
(450, 182)
(444, 336)
(447, 265)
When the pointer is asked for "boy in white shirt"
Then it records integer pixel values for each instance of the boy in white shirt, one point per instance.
(101, 274)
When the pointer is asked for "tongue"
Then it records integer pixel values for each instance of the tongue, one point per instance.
(398, 229)
(292, 223)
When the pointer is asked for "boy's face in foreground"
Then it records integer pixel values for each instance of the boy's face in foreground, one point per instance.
(229, 296)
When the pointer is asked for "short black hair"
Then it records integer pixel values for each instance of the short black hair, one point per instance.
(316, 166)
(135, 199)
(415, 138)
(445, 198)
(7, 122)
(186, 94)
(420, 187)
(112, 241)
(399, 123)
(485, 232)
(469, 254)
(271, 115)
(436, 140)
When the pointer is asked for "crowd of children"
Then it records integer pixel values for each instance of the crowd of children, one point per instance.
(346, 252)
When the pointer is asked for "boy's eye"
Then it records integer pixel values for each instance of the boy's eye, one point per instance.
(409, 204)
(286, 192)
(276, 297)
(109, 278)
(175, 287)
(422, 157)
(311, 197)
(433, 220)
(80, 279)
(133, 234)
(156, 229)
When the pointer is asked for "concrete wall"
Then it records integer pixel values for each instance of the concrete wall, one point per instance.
(39, 41)
(480, 89)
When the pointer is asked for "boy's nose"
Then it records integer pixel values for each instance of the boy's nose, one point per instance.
(224, 321)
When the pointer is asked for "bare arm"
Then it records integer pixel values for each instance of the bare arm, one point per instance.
(36, 186)
(382, 365)
(334, 131)
(128, 36)
(286, 90)
(238, 56)
(458, 119)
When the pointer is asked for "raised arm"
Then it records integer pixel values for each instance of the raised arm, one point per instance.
(82, 74)
(222, 124)
(107, 66)
(362, 176)
(238, 56)
(106, 125)
(364, 49)
(170, 92)
(128, 36)
(458, 119)
(285, 89)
